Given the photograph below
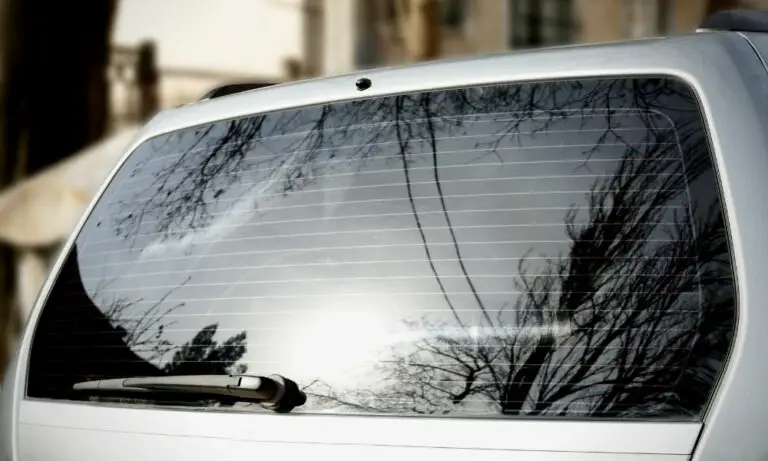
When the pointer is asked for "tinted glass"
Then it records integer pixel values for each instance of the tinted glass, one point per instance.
(554, 249)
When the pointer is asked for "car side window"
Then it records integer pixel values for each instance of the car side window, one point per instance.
(554, 248)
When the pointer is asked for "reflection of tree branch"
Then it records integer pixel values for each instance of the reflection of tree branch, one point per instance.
(324, 395)
(145, 333)
(607, 326)
(184, 200)
(403, 150)
(428, 116)
(630, 338)
(147, 330)
(202, 355)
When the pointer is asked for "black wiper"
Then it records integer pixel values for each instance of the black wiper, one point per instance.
(274, 392)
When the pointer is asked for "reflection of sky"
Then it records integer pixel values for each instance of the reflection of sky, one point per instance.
(322, 278)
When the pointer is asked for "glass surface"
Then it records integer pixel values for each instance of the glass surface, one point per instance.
(543, 249)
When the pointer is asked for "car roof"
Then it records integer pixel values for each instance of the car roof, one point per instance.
(680, 56)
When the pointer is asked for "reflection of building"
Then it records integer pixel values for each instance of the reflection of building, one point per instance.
(344, 35)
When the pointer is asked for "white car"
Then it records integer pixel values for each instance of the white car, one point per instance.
(550, 255)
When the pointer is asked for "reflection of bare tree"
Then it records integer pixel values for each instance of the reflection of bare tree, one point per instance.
(182, 191)
(77, 340)
(294, 150)
(297, 147)
(606, 340)
(611, 329)
(621, 324)
(204, 356)
(144, 332)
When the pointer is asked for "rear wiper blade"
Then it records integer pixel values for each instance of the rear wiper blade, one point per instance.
(274, 392)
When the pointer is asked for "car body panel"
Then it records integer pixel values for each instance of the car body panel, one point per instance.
(733, 428)
(446, 433)
(66, 444)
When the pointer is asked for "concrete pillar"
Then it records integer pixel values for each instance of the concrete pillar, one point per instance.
(601, 20)
(688, 14)
(421, 22)
(489, 24)
(642, 18)
(339, 36)
(313, 49)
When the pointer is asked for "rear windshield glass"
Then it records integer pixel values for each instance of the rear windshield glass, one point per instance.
(541, 249)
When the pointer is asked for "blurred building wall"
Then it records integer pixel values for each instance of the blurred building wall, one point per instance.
(687, 15)
(363, 33)
(314, 37)
(600, 20)
(359, 34)
(339, 48)
(136, 94)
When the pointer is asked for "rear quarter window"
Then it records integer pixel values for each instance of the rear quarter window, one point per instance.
(542, 249)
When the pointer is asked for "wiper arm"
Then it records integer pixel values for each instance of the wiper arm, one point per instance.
(274, 392)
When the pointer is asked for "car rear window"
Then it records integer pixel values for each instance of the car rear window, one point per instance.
(549, 249)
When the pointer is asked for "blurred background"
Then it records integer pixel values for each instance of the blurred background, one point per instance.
(77, 79)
